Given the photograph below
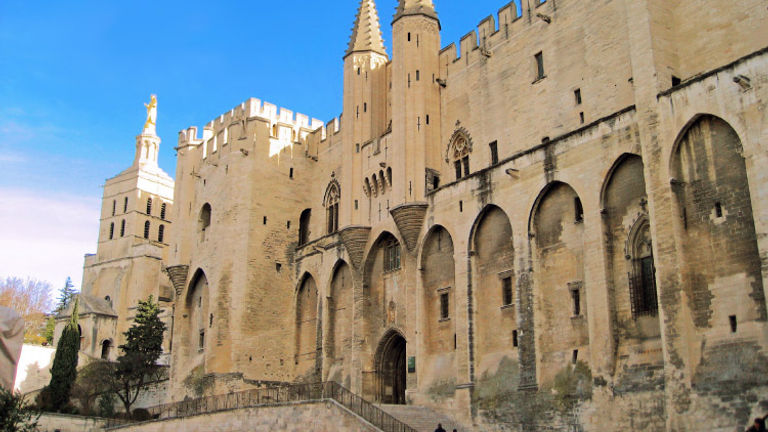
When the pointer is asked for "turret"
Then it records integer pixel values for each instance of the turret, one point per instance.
(415, 97)
(365, 104)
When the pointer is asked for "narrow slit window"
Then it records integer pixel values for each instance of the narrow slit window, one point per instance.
(111, 230)
(576, 300)
(146, 229)
(465, 164)
(578, 210)
(718, 210)
(733, 322)
(290, 173)
(515, 342)
(163, 209)
(149, 206)
(506, 291)
(161, 233)
(122, 228)
(577, 96)
(575, 357)
(125, 205)
(444, 306)
(114, 206)
(418, 75)
(494, 152)
(539, 57)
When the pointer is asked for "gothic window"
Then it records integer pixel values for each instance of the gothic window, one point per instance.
(122, 228)
(146, 229)
(643, 278)
(111, 230)
(392, 256)
(114, 207)
(332, 196)
(163, 209)
(149, 206)
(125, 205)
(161, 233)
(304, 220)
(458, 151)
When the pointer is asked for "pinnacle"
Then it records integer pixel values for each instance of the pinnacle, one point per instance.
(415, 7)
(366, 34)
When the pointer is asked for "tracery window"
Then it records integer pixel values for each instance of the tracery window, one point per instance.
(332, 196)
(458, 153)
(643, 277)
(392, 256)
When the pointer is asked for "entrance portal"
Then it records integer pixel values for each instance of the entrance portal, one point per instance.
(391, 369)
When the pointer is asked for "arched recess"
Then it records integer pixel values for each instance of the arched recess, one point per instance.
(494, 291)
(557, 228)
(438, 313)
(198, 320)
(339, 336)
(106, 349)
(630, 252)
(384, 303)
(391, 372)
(720, 269)
(306, 328)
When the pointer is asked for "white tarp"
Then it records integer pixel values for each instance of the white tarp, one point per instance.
(11, 340)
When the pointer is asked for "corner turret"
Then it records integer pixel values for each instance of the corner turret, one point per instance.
(415, 7)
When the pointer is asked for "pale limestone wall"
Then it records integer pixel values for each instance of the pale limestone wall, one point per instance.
(662, 372)
(65, 423)
(313, 416)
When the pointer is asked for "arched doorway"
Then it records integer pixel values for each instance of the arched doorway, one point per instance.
(391, 369)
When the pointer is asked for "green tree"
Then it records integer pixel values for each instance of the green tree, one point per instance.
(66, 294)
(15, 414)
(55, 396)
(143, 347)
(50, 329)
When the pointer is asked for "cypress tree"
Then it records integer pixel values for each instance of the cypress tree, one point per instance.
(55, 396)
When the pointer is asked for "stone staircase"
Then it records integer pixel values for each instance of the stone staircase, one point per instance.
(422, 419)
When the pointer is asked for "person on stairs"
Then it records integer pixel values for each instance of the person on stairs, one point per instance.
(440, 428)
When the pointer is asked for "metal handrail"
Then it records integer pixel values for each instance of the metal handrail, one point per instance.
(279, 395)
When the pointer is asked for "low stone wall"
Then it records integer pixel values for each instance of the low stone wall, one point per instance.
(301, 416)
(68, 423)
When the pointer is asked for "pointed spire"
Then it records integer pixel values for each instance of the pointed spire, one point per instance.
(415, 7)
(366, 34)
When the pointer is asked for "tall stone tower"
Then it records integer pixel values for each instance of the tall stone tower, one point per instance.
(365, 104)
(133, 240)
(415, 96)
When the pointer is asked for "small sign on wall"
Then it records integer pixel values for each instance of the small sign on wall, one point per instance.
(411, 364)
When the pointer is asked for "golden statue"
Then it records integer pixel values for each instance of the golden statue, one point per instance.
(150, 124)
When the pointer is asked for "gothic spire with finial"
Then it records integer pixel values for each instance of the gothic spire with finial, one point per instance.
(415, 7)
(366, 34)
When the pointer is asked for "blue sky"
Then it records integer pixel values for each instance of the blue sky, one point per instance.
(74, 76)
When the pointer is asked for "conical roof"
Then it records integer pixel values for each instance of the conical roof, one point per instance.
(415, 7)
(366, 34)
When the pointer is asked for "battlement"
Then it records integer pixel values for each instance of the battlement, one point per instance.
(251, 109)
(489, 32)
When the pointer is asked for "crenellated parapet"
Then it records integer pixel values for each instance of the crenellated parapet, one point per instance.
(285, 127)
(491, 31)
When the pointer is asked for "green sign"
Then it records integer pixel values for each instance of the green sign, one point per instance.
(411, 364)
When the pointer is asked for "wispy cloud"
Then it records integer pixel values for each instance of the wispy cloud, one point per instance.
(45, 235)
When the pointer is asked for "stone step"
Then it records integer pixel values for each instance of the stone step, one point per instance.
(422, 419)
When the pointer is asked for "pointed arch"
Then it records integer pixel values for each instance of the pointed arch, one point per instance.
(390, 367)
(715, 224)
(340, 304)
(557, 242)
(331, 203)
(305, 356)
(609, 176)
